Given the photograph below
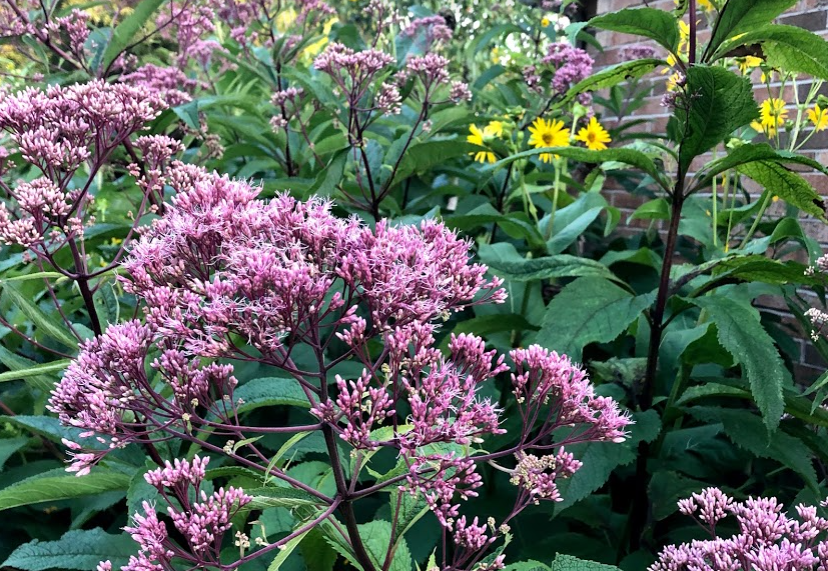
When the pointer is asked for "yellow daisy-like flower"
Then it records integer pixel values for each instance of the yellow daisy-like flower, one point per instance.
(748, 63)
(818, 117)
(548, 134)
(772, 113)
(594, 136)
(480, 138)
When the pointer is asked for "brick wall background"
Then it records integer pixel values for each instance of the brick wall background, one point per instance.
(809, 14)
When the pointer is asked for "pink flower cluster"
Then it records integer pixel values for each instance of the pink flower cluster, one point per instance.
(767, 539)
(62, 127)
(226, 276)
(201, 519)
(58, 130)
(433, 29)
(562, 67)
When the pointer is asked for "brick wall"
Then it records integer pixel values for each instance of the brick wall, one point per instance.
(809, 14)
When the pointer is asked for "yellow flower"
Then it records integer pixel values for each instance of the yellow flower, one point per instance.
(548, 134)
(673, 80)
(772, 114)
(480, 138)
(285, 19)
(748, 63)
(545, 21)
(819, 117)
(707, 5)
(594, 136)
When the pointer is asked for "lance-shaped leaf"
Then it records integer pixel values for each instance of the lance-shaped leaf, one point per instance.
(53, 488)
(610, 76)
(630, 157)
(124, 33)
(77, 549)
(742, 335)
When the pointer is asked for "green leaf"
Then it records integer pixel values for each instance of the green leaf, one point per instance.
(719, 102)
(376, 535)
(630, 157)
(126, 30)
(9, 446)
(743, 336)
(423, 157)
(743, 16)
(787, 185)
(331, 175)
(565, 562)
(56, 488)
(530, 565)
(656, 209)
(748, 153)
(746, 431)
(790, 48)
(650, 23)
(15, 363)
(44, 323)
(604, 457)
(589, 310)
(278, 497)
(558, 266)
(77, 549)
(35, 370)
(610, 76)
(270, 391)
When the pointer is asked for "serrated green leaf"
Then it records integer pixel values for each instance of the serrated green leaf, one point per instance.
(594, 310)
(787, 185)
(77, 549)
(742, 335)
(740, 17)
(718, 103)
(56, 488)
(558, 266)
(748, 153)
(745, 429)
(278, 497)
(650, 23)
(610, 76)
(630, 157)
(270, 391)
(565, 562)
(16, 363)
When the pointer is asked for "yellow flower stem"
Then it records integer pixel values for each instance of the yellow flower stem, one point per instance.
(815, 87)
(759, 216)
(527, 199)
(799, 109)
(555, 187)
(715, 205)
(732, 207)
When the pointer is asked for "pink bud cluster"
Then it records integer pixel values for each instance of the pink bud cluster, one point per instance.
(202, 522)
(562, 67)
(170, 84)
(433, 29)
(767, 539)
(61, 128)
